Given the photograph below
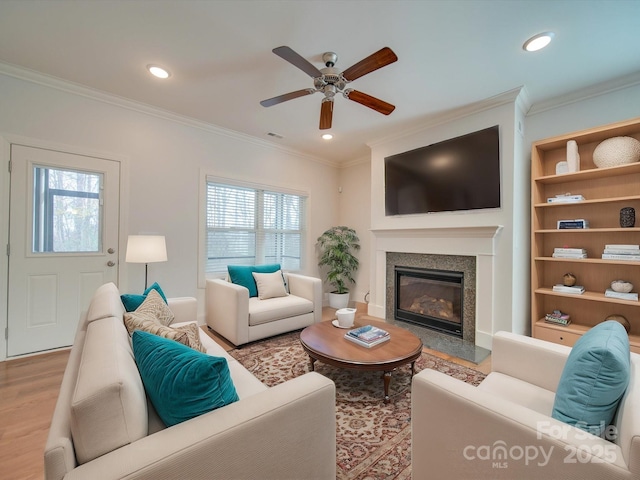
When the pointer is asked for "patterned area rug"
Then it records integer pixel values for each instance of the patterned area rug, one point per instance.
(373, 438)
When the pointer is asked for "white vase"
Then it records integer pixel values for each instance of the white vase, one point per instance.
(338, 300)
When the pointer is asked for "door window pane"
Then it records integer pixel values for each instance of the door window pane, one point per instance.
(67, 211)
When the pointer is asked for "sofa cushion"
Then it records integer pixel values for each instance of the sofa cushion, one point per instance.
(264, 311)
(108, 406)
(153, 308)
(242, 275)
(181, 383)
(594, 378)
(132, 301)
(270, 285)
(105, 302)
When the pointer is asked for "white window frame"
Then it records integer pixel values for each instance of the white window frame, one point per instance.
(206, 177)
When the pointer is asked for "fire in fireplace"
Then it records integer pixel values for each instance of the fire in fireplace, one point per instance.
(431, 298)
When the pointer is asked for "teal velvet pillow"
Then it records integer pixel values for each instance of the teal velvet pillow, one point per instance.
(594, 378)
(243, 275)
(181, 382)
(131, 301)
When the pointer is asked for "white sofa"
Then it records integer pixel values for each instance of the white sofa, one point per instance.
(283, 432)
(503, 428)
(241, 319)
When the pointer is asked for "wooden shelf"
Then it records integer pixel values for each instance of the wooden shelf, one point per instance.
(587, 296)
(606, 190)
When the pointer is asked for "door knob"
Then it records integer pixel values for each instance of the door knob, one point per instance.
(111, 250)
(110, 263)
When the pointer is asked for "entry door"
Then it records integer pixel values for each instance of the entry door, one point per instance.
(63, 243)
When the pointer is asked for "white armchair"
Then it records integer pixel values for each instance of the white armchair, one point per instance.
(503, 428)
(230, 312)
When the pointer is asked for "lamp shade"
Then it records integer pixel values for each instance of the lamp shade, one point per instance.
(146, 249)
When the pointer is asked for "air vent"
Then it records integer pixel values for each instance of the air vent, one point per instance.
(275, 135)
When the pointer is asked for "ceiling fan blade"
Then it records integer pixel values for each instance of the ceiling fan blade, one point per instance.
(326, 114)
(381, 58)
(287, 96)
(297, 61)
(369, 101)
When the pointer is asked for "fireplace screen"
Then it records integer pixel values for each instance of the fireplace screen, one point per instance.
(432, 298)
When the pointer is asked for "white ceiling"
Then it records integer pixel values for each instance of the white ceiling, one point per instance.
(451, 53)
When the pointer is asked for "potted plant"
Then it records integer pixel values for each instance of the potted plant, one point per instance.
(336, 250)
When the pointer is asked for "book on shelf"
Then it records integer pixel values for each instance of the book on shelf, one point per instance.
(621, 295)
(571, 224)
(621, 246)
(569, 250)
(557, 318)
(565, 199)
(367, 343)
(621, 251)
(569, 255)
(614, 256)
(575, 289)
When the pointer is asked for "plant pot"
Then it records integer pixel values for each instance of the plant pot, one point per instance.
(338, 300)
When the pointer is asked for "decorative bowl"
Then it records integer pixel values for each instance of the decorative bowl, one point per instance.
(621, 286)
(616, 151)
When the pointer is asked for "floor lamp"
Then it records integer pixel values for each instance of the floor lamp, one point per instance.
(146, 249)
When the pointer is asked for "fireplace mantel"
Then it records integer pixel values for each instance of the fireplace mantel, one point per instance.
(440, 232)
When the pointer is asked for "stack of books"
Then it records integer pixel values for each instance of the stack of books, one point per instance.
(367, 336)
(621, 295)
(569, 253)
(558, 318)
(576, 289)
(565, 199)
(622, 252)
(578, 223)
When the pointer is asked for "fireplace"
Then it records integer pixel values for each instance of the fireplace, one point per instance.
(430, 297)
(464, 265)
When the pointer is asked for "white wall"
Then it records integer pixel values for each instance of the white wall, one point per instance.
(164, 158)
(355, 212)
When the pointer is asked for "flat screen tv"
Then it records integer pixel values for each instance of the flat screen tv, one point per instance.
(461, 173)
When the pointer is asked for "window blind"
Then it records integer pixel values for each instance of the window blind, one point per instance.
(253, 226)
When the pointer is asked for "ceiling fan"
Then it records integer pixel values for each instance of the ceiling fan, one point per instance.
(331, 81)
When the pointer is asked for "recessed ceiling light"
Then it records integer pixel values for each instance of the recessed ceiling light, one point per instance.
(157, 71)
(327, 136)
(538, 41)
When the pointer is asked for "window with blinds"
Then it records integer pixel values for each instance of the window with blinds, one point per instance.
(253, 226)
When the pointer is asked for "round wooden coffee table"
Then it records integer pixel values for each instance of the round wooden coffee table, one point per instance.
(326, 343)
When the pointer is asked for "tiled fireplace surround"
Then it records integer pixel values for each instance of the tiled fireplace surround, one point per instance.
(467, 249)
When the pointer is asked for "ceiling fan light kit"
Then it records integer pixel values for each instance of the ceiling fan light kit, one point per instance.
(330, 81)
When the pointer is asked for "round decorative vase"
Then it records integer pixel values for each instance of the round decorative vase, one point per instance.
(627, 217)
(616, 151)
(569, 279)
(621, 320)
(621, 286)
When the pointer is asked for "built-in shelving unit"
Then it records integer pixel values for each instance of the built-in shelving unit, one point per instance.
(606, 191)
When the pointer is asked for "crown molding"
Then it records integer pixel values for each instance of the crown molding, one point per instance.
(66, 86)
(592, 91)
(452, 115)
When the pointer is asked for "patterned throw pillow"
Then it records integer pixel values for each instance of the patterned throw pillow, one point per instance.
(155, 307)
(185, 334)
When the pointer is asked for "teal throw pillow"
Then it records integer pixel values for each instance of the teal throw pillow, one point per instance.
(243, 275)
(181, 383)
(131, 301)
(594, 378)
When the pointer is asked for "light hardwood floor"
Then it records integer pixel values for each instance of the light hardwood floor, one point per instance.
(28, 392)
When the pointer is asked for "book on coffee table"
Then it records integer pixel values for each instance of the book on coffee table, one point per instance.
(367, 336)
